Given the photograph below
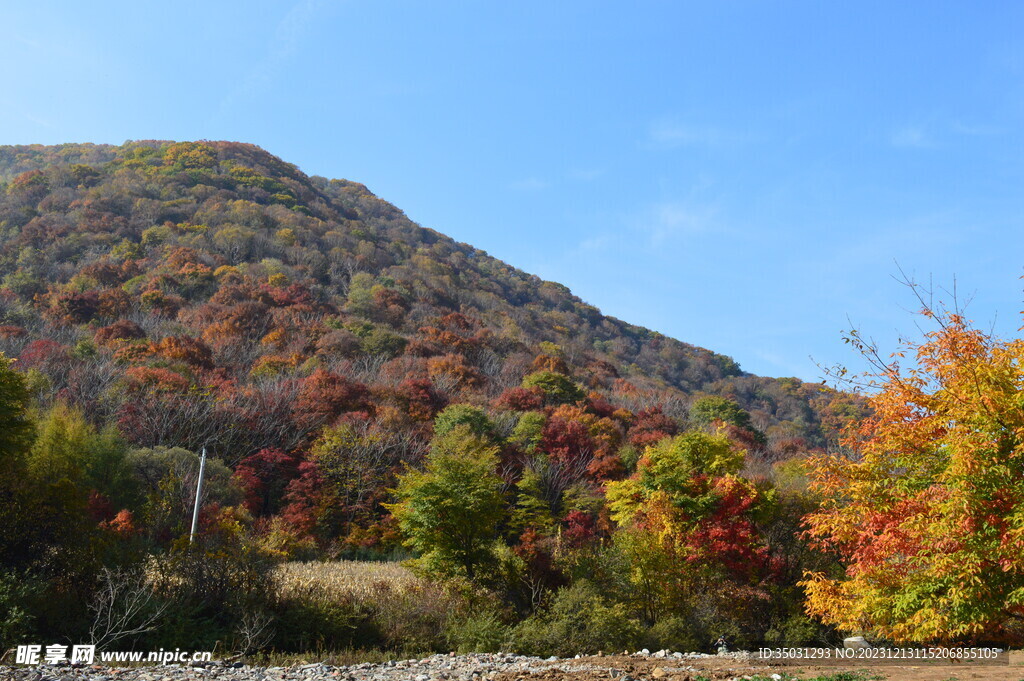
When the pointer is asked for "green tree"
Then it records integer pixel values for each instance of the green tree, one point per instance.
(360, 294)
(557, 388)
(463, 415)
(15, 426)
(707, 410)
(451, 511)
(382, 342)
(68, 447)
(15, 439)
(712, 408)
(166, 479)
(528, 430)
(676, 467)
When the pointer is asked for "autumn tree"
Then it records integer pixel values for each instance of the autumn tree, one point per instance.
(450, 511)
(355, 464)
(265, 476)
(709, 410)
(688, 519)
(927, 510)
(651, 425)
(324, 395)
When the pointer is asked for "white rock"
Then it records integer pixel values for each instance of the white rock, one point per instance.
(856, 642)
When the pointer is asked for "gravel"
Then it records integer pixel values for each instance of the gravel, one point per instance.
(450, 667)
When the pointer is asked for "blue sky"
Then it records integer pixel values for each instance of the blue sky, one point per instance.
(739, 175)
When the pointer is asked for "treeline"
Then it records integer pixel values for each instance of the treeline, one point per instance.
(557, 525)
(159, 298)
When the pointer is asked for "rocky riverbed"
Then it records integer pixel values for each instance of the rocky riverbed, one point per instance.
(640, 666)
(480, 667)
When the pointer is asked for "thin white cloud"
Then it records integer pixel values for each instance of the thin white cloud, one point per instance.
(653, 228)
(529, 184)
(782, 365)
(675, 218)
(670, 220)
(586, 174)
(600, 242)
(288, 36)
(928, 136)
(28, 42)
(668, 134)
(911, 137)
(976, 130)
(36, 120)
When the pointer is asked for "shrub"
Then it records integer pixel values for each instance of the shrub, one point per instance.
(412, 620)
(480, 633)
(210, 584)
(797, 629)
(579, 621)
(675, 633)
(313, 620)
(15, 617)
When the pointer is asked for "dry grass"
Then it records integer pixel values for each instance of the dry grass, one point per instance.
(347, 579)
(404, 611)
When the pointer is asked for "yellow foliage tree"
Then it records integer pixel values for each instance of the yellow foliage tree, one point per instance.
(927, 510)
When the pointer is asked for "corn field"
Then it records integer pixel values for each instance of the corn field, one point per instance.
(347, 579)
(405, 610)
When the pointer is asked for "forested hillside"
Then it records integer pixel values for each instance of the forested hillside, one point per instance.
(159, 298)
(215, 267)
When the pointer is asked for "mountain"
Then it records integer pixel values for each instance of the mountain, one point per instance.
(211, 294)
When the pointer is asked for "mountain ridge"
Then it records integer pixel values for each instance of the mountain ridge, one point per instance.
(152, 232)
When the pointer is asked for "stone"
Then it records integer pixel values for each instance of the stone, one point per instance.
(855, 642)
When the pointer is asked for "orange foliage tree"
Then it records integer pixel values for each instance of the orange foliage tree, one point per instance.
(927, 508)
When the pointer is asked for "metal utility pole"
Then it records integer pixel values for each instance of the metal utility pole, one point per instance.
(199, 492)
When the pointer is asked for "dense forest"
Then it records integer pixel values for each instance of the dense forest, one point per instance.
(346, 369)
(239, 276)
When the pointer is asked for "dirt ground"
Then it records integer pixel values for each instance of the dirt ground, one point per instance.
(645, 669)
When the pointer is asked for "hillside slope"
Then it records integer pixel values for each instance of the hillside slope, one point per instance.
(210, 293)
